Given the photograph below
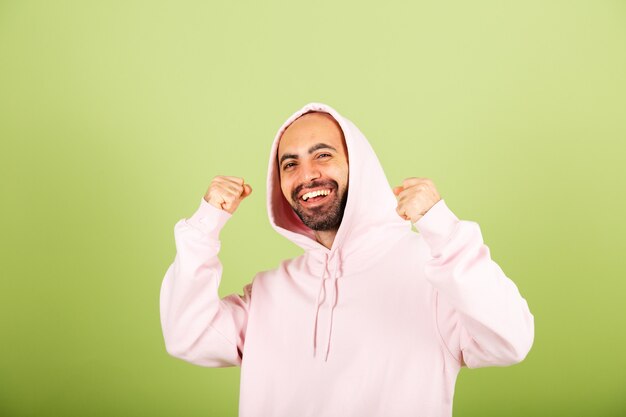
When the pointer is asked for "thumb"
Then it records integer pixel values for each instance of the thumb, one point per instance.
(247, 190)
(397, 190)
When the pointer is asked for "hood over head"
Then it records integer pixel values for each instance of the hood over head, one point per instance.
(370, 205)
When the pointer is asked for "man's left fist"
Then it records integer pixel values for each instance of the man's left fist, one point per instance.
(415, 197)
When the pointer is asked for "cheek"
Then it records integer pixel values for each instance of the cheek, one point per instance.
(342, 175)
(286, 189)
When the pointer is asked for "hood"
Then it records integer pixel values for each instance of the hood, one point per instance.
(369, 218)
(371, 203)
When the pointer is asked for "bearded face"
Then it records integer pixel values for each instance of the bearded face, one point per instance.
(313, 167)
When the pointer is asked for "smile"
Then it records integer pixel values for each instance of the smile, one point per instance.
(316, 193)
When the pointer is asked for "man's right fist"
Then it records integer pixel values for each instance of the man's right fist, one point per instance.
(227, 192)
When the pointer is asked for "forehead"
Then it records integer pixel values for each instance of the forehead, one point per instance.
(310, 129)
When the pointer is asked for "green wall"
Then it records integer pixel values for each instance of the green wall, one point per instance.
(114, 117)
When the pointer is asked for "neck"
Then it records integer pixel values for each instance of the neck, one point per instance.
(326, 237)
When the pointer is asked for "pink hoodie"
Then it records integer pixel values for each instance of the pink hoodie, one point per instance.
(379, 325)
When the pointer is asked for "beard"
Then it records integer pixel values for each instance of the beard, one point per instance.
(326, 216)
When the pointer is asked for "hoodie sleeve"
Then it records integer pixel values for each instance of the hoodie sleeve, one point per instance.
(482, 318)
(197, 325)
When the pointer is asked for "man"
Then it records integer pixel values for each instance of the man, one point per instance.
(373, 319)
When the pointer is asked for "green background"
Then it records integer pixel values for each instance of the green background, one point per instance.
(114, 117)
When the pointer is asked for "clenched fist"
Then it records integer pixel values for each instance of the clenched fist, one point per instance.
(227, 192)
(415, 197)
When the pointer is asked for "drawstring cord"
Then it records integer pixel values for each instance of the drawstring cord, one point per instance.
(332, 309)
(317, 309)
(333, 277)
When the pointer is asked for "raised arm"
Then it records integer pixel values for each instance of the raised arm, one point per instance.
(197, 325)
(481, 316)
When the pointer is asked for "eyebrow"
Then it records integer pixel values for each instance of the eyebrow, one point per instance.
(312, 149)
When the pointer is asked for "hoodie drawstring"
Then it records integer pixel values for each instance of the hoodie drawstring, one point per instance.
(332, 309)
(334, 285)
(317, 310)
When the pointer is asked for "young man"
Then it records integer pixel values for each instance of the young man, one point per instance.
(373, 319)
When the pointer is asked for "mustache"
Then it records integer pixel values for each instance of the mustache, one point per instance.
(316, 184)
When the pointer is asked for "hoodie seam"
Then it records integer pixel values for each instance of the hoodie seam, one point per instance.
(441, 339)
(222, 334)
(438, 248)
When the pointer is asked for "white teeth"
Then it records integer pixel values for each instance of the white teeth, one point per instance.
(315, 194)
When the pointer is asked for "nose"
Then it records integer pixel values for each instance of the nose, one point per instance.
(310, 173)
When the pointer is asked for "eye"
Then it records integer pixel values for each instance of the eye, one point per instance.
(288, 165)
(324, 155)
